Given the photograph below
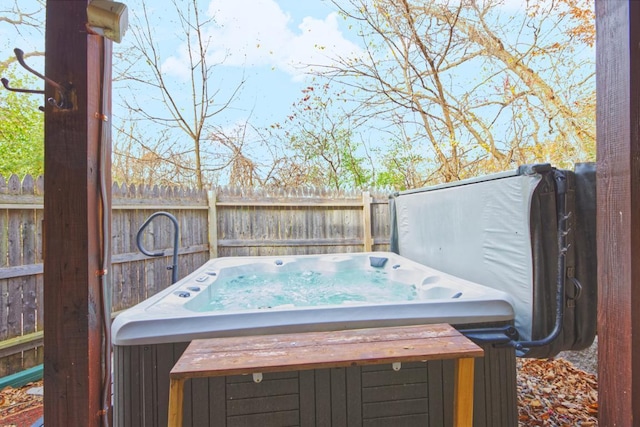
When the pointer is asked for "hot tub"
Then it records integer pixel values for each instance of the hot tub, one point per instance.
(266, 295)
(245, 295)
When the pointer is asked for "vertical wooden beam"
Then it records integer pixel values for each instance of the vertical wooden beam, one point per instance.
(72, 319)
(618, 222)
(366, 221)
(463, 392)
(213, 225)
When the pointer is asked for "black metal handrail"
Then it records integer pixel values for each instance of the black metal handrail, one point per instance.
(176, 238)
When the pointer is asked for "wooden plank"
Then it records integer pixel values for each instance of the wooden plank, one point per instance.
(14, 286)
(4, 283)
(213, 226)
(323, 397)
(138, 256)
(463, 398)
(176, 396)
(40, 314)
(435, 384)
(29, 285)
(247, 389)
(401, 421)
(72, 289)
(243, 355)
(292, 204)
(30, 202)
(119, 390)
(136, 204)
(286, 402)
(20, 271)
(286, 418)
(117, 282)
(21, 206)
(338, 397)
(482, 398)
(395, 392)
(4, 238)
(354, 396)
(448, 369)
(396, 408)
(366, 221)
(307, 392)
(217, 402)
(21, 343)
(293, 243)
(4, 304)
(149, 375)
(21, 201)
(381, 226)
(618, 214)
(406, 375)
(136, 285)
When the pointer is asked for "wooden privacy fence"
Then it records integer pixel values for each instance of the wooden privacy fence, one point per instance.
(245, 222)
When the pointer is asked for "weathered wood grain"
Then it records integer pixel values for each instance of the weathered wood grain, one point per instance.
(618, 210)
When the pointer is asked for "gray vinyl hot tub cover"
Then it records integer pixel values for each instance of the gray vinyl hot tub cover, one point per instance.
(486, 226)
(505, 231)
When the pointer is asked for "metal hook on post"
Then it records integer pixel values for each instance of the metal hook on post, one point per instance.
(63, 103)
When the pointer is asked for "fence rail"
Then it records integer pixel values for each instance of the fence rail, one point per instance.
(224, 222)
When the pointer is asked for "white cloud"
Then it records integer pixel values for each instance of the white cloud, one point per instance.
(177, 66)
(260, 33)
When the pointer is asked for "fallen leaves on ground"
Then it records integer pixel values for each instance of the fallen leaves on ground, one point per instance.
(19, 408)
(554, 393)
(551, 393)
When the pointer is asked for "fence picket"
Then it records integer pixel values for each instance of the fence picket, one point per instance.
(29, 283)
(13, 327)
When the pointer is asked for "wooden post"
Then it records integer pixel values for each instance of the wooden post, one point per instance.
(618, 215)
(72, 215)
(176, 402)
(213, 225)
(463, 397)
(366, 221)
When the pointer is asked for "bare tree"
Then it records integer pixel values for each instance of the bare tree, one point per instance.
(483, 89)
(21, 19)
(179, 110)
(321, 138)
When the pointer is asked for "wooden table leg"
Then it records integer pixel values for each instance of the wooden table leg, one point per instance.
(176, 396)
(463, 399)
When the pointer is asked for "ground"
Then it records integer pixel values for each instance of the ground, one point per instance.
(554, 393)
(18, 407)
(587, 359)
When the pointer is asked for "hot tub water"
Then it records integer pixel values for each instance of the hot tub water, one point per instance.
(308, 288)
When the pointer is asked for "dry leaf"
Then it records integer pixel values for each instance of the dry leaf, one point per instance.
(553, 393)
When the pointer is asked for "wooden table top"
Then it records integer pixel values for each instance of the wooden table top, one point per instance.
(317, 350)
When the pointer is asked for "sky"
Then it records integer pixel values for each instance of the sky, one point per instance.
(268, 47)
(265, 42)
(268, 41)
